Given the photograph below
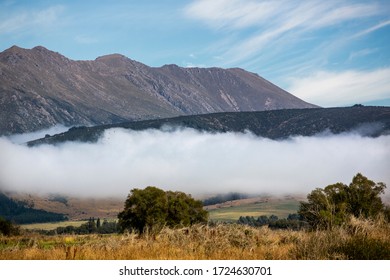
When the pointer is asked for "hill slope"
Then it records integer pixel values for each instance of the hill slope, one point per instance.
(276, 124)
(40, 88)
(21, 213)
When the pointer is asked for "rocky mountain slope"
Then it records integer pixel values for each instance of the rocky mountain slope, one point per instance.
(40, 88)
(275, 124)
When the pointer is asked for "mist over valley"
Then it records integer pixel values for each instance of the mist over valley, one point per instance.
(192, 161)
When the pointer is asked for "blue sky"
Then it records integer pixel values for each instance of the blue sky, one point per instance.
(331, 53)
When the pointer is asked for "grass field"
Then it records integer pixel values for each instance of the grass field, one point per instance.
(359, 239)
(231, 211)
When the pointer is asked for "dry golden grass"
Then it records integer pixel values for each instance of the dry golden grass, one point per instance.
(357, 239)
(197, 242)
(233, 242)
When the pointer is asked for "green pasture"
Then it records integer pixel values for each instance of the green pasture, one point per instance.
(231, 214)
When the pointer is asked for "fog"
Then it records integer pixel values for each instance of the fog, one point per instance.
(25, 137)
(193, 162)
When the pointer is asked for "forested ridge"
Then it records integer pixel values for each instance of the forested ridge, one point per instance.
(20, 213)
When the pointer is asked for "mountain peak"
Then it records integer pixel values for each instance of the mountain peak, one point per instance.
(170, 66)
(14, 49)
(114, 56)
(49, 89)
(40, 49)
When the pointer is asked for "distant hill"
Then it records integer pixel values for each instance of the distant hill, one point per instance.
(74, 208)
(276, 124)
(40, 88)
(21, 213)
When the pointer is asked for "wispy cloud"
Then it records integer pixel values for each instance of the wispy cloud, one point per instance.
(31, 19)
(372, 29)
(266, 21)
(85, 40)
(232, 14)
(342, 88)
(361, 53)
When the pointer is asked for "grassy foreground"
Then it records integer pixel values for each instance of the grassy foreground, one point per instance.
(359, 239)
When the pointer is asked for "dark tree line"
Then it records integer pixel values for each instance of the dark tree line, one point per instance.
(223, 198)
(92, 226)
(293, 221)
(20, 213)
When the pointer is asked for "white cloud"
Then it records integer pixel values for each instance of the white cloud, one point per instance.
(192, 162)
(342, 88)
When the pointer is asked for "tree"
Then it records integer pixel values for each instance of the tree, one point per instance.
(98, 223)
(91, 225)
(333, 205)
(364, 197)
(7, 228)
(152, 208)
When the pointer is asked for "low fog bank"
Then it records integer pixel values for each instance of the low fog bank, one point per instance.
(26, 137)
(193, 162)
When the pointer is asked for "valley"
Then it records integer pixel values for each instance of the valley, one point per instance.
(79, 210)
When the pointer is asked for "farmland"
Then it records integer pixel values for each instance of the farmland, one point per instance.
(231, 211)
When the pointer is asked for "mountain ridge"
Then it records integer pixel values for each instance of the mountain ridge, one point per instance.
(40, 88)
(369, 121)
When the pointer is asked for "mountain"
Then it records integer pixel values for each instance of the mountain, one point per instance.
(275, 124)
(40, 88)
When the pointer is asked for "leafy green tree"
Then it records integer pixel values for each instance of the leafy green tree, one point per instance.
(178, 209)
(144, 209)
(364, 197)
(333, 205)
(152, 208)
(196, 213)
